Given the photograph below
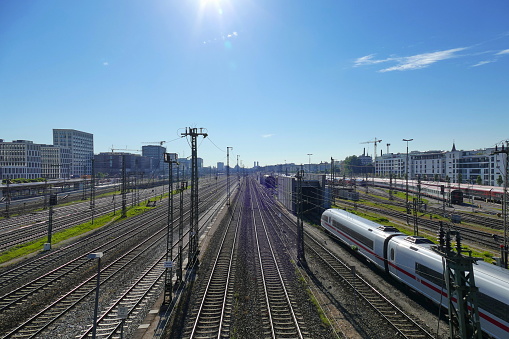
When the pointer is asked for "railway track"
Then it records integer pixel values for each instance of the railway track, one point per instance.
(251, 290)
(485, 239)
(482, 220)
(284, 321)
(21, 229)
(77, 268)
(405, 325)
(213, 315)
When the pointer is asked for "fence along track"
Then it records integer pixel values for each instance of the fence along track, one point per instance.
(212, 319)
(283, 322)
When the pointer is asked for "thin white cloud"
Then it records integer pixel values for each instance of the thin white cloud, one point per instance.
(483, 63)
(422, 60)
(106, 63)
(368, 60)
(505, 51)
(267, 135)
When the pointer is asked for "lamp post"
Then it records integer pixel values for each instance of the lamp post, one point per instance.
(228, 173)
(98, 256)
(406, 175)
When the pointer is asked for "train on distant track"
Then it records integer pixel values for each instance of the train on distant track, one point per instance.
(451, 192)
(412, 261)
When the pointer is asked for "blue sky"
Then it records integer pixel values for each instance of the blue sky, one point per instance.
(274, 79)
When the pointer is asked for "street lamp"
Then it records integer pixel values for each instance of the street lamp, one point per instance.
(228, 173)
(98, 256)
(406, 170)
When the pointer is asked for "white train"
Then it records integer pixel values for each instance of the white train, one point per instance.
(411, 260)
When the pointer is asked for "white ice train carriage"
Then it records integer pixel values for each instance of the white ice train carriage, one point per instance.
(411, 260)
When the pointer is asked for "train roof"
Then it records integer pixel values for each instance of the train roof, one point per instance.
(361, 222)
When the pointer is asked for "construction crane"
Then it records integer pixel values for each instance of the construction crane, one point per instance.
(113, 149)
(374, 142)
(155, 142)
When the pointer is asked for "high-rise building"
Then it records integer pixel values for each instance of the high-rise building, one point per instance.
(156, 153)
(220, 167)
(81, 145)
(110, 163)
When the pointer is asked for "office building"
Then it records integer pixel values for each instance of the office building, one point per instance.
(81, 145)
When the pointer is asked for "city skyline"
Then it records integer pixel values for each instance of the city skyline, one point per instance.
(275, 80)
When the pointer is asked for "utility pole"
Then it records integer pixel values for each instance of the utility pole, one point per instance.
(183, 186)
(504, 199)
(333, 181)
(300, 224)
(170, 158)
(462, 293)
(406, 177)
(8, 200)
(124, 188)
(52, 202)
(238, 174)
(193, 217)
(390, 186)
(92, 192)
(228, 173)
(417, 204)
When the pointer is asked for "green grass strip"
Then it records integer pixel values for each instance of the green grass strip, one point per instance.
(37, 245)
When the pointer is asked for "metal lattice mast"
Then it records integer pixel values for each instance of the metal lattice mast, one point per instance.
(124, 188)
(463, 310)
(504, 199)
(183, 186)
(300, 224)
(170, 158)
(193, 215)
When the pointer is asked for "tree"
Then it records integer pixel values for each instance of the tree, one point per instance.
(352, 165)
(478, 181)
(500, 181)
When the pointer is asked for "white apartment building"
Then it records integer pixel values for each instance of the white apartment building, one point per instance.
(20, 159)
(81, 145)
(458, 166)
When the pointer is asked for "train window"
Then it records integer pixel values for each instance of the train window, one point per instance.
(355, 235)
(392, 254)
(430, 274)
(494, 306)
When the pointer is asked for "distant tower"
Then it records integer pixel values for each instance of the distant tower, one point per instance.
(453, 147)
